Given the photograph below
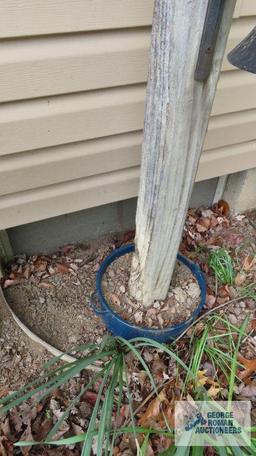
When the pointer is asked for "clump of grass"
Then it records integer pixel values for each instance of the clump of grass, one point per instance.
(222, 264)
(249, 291)
(112, 377)
(114, 387)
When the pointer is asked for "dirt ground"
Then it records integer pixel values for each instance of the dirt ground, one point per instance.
(50, 294)
(53, 302)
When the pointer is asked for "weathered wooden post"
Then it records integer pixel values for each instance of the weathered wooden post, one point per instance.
(188, 43)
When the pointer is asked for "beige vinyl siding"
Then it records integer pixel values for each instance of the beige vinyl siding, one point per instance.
(72, 92)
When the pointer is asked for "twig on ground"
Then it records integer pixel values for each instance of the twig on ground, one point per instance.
(226, 304)
(251, 223)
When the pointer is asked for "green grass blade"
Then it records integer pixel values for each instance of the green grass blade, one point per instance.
(197, 451)
(199, 351)
(107, 408)
(144, 447)
(55, 382)
(86, 451)
(78, 349)
(222, 451)
(119, 401)
(10, 397)
(182, 451)
(145, 342)
(234, 363)
(57, 425)
(82, 437)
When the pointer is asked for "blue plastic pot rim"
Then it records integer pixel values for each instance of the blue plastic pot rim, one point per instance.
(106, 309)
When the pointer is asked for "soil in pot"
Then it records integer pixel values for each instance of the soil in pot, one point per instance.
(182, 299)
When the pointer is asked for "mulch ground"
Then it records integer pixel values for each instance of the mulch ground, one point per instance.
(50, 294)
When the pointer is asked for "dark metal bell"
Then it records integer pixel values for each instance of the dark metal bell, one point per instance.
(243, 56)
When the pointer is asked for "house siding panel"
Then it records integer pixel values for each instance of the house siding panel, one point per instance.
(72, 92)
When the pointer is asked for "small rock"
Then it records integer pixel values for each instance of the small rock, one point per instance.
(193, 290)
(72, 339)
(51, 270)
(41, 300)
(138, 316)
(115, 299)
(210, 370)
(232, 292)
(156, 305)
(207, 213)
(122, 289)
(161, 321)
(151, 312)
(232, 318)
(237, 311)
(180, 295)
(242, 305)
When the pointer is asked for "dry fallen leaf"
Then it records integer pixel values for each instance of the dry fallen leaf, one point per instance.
(43, 429)
(248, 262)
(90, 397)
(4, 392)
(62, 268)
(240, 279)
(223, 207)
(252, 324)
(210, 301)
(153, 409)
(249, 391)
(129, 236)
(214, 390)
(205, 221)
(46, 285)
(214, 221)
(250, 367)
(201, 228)
(40, 265)
(201, 378)
(10, 282)
(224, 291)
(221, 301)
(3, 451)
(204, 380)
(27, 436)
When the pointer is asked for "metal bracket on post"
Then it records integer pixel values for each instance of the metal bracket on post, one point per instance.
(211, 28)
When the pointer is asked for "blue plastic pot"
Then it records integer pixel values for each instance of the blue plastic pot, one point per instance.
(119, 327)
